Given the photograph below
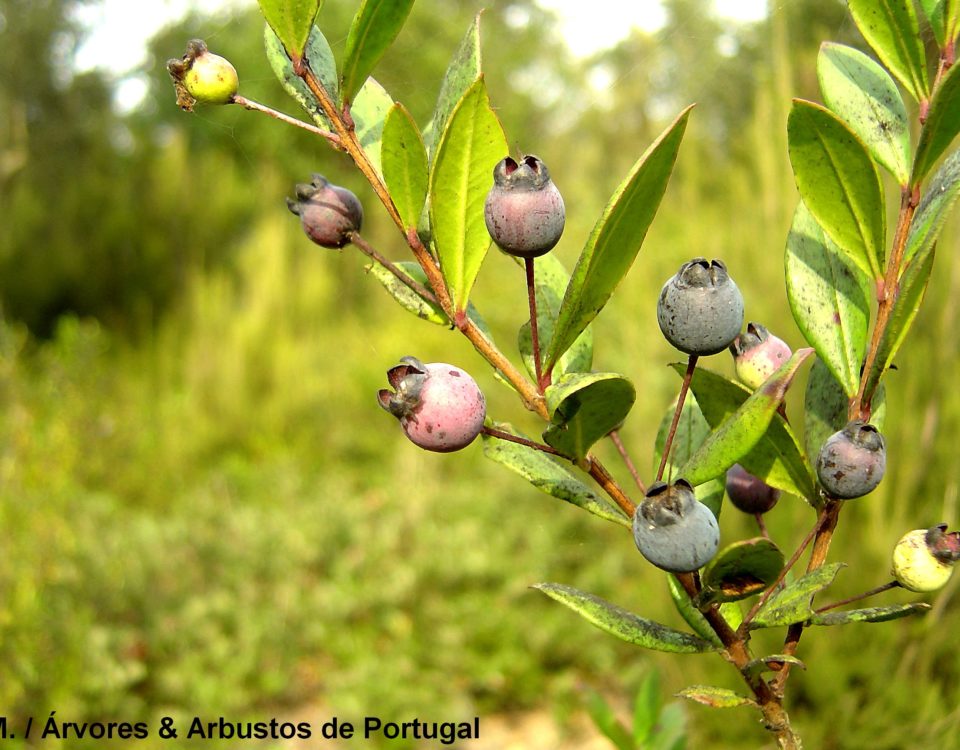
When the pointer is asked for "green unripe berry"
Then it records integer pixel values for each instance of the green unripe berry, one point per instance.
(923, 558)
(201, 76)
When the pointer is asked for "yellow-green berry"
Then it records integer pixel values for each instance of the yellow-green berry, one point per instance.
(201, 76)
(923, 559)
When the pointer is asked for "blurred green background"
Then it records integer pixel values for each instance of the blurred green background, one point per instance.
(203, 509)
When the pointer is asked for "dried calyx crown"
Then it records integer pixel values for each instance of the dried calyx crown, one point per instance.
(407, 380)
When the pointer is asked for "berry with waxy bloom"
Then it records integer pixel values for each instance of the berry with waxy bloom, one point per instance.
(440, 407)
(852, 461)
(700, 309)
(328, 213)
(923, 559)
(524, 210)
(673, 530)
(757, 354)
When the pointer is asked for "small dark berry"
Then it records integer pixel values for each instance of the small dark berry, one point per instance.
(757, 354)
(700, 310)
(524, 210)
(673, 530)
(749, 493)
(328, 213)
(440, 407)
(852, 461)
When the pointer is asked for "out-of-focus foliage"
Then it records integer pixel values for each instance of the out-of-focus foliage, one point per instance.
(213, 516)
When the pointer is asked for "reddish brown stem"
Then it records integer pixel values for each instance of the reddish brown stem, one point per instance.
(368, 250)
(534, 323)
(850, 600)
(622, 450)
(685, 386)
(509, 437)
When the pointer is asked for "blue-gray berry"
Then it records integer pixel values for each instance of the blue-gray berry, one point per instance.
(673, 530)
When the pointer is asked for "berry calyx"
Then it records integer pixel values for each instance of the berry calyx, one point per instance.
(201, 76)
(700, 310)
(524, 210)
(852, 461)
(923, 559)
(328, 213)
(673, 530)
(748, 493)
(440, 407)
(757, 354)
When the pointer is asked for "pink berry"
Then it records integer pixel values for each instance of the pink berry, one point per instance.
(757, 354)
(328, 213)
(440, 407)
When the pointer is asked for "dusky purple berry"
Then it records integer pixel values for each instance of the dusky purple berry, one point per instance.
(852, 461)
(440, 407)
(328, 213)
(524, 210)
(700, 310)
(757, 354)
(674, 530)
(923, 559)
(201, 76)
(748, 493)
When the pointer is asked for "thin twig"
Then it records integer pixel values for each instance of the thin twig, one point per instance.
(534, 323)
(367, 249)
(509, 437)
(850, 600)
(254, 106)
(622, 450)
(688, 376)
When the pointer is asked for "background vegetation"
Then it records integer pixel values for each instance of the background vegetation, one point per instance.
(205, 512)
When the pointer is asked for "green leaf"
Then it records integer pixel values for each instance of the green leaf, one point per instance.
(462, 72)
(616, 238)
(322, 62)
(934, 11)
(742, 430)
(777, 459)
(548, 476)
(870, 614)
(689, 612)
(741, 569)
(829, 297)
(623, 624)
(941, 127)
(375, 26)
(825, 408)
(646, 709)
(606, 721)
(291, 21)
(404, 160)
(584, 407)
(462, 175)
(934, 207)
(839, 183)
(369, 113)
(891, 28)
(409, 299)
(913, 286)
(692, 430)
(863, 95)
(715, 697)
(792, 603)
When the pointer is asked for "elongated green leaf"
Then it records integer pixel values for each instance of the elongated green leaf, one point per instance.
(616, 238)
(933, 210)
(375, 26)
(409, 299)
(829, 298)
(646, 709)
(792, 604)
(463, 70)
(863, 95)
(741, 431)
(623, 624)
(322, 62)
(777, 458)
(692, 430)
(369, 113)
(934, 11)
(913, 286)
(548, 476)
(462, 175)
(291, 21)
(694, 617)
(825, 408)
(585, 407)
(941, 127)
(607, 722)
(550, 282)
(715, 697)
(741, 569)
(838, 183)
(870, 614)
(404, 160)
(891, 28)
